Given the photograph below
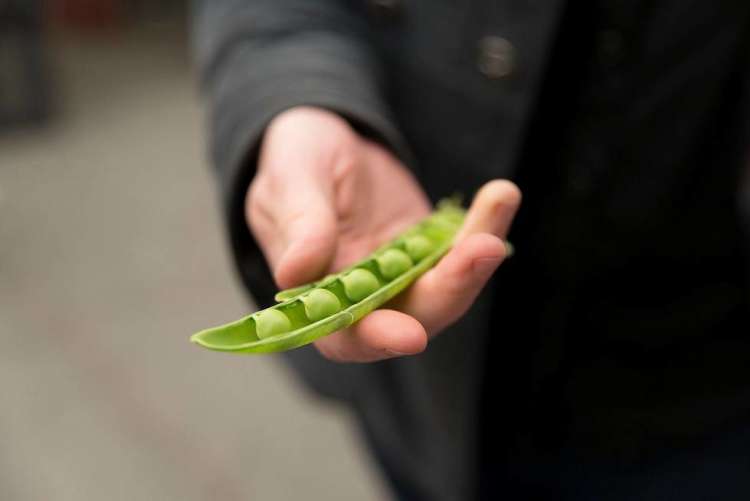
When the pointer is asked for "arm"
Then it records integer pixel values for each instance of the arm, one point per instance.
(316, 193)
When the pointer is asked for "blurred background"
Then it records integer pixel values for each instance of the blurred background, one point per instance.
(111, 254)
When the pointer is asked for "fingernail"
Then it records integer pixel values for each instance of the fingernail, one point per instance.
(485, 266)
(395, 353)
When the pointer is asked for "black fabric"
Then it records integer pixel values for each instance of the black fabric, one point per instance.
(630, 314)
(717, 469)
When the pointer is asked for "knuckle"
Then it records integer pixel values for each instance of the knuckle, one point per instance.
(294, 222)
(345, 166)
(253, 202)
(329, 351)
(455, 287)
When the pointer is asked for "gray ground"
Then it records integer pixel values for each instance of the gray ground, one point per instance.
(111, 254)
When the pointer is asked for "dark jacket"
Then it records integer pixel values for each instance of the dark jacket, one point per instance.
(627, 126)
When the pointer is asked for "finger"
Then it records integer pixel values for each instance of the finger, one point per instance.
(296, 232)
(307, 224)
(442, 295)
(292, 214)
(492, 210)
(380, 335)
(447, 291)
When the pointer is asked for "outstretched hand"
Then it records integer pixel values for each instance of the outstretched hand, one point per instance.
(324, 197)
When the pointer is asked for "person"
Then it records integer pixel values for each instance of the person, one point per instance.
(608, 358)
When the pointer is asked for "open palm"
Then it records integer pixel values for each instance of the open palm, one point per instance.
(325, 197)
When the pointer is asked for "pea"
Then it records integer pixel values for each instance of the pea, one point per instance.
(393, 263)
(320, 304)
(343, 298)
(271, 322)
(359, 284)
(418, 247)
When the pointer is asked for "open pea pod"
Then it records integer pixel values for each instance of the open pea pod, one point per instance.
(311, 311)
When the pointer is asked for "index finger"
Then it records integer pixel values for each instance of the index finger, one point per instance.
(443, 294)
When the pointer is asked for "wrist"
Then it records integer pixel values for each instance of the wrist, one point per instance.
(307, 116)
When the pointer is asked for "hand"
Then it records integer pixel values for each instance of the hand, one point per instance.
(324, 197)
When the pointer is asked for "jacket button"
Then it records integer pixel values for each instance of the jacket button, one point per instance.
(496, 57)
(385, 9)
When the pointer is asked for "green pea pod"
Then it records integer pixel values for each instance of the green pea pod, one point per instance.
(335, 302)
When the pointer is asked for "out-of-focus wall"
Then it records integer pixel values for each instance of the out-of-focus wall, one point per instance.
(111, 255)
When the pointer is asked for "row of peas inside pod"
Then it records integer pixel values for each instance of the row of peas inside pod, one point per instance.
(308, 312)
(337, 292)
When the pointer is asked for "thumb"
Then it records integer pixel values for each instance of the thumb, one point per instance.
(306, 222)
(295, 193)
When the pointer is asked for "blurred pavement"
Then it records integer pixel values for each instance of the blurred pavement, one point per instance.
(111, 255)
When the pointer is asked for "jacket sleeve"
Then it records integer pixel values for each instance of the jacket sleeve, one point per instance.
(257, 58)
